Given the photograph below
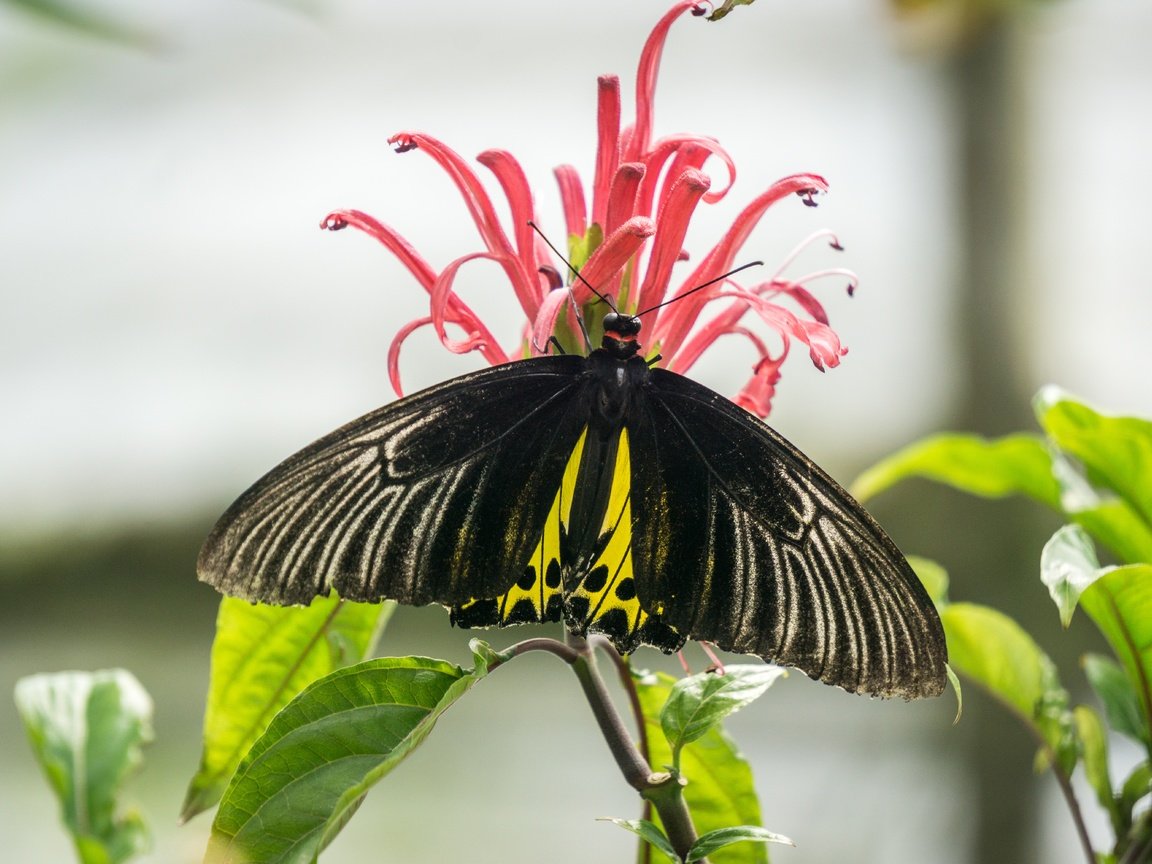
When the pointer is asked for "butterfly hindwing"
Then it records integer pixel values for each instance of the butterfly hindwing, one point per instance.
(739, 539)
(438, 497)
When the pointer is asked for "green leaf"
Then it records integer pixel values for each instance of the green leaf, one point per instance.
(302, 778)
(647, 831)
(996, 652)
(726, 7)
(1116, 451)
(86, 729)
(720, 792)
(933, 577)
(263, 656)
(1016, 464)
(699, 702)
(1094, 753)
(1120, 603)
(1068, 565)
(713, 841)
(1116, 694)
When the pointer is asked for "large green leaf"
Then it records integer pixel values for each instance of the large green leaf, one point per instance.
(303, 778)
(720, 792)
(999, 655)
(1116, 451)
(1016, 464)
(86, 729)
(1120, 602)
(699, 702)
(263, 656)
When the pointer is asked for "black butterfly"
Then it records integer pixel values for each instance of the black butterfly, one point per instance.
(621, 498)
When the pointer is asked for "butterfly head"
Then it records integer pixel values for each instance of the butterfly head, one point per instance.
(620, 332)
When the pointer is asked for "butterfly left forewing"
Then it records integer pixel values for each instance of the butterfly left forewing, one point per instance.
(739, 539)
(435, 498)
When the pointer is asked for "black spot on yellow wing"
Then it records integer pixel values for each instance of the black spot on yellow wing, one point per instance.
(591, 590)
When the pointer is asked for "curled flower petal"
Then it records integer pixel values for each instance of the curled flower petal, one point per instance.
(676, 145)
(443, 295)
(392, 241)
(674, 326)
(479, 205)
(757, 395)
(394, 350)
(646, 74)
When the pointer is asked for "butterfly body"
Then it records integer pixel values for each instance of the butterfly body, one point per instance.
(598, 490)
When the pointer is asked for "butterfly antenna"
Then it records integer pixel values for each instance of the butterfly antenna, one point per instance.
(700, 287)
(576, 273)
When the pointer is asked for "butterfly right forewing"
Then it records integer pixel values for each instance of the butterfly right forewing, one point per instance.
(741, 540)
(438, 497)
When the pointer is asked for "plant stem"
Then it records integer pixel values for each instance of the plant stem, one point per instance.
(624, 672)
(1065, 783)
(663, 790)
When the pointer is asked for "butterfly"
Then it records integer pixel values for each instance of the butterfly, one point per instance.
(600, 490)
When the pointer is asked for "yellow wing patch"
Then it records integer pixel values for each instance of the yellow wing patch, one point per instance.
(592, 590)
(603, 596)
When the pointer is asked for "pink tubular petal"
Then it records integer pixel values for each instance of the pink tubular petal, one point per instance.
(515, 185)
(676, 144)
(393, 242)
(545, 324)
(622, 199)
(803, 297)
(823, 344)
(572, 199)
(607, 147)
(394, 350)
(602, 270)
(479, 206)
(646, 74)
(671, 226)
(756, 396)
(475, 196)
(674, 325)
(444, 299)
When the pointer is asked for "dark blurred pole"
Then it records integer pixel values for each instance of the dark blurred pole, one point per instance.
(999, 565)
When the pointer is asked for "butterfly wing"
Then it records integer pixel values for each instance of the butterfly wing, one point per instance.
(436, 498)
(741, 540)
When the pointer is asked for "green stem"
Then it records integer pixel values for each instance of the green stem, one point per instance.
(663, 790)
(624, 672)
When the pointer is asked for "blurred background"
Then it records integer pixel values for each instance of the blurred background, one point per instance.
(174, 323)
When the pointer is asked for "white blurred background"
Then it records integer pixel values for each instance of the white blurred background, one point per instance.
(174, 322)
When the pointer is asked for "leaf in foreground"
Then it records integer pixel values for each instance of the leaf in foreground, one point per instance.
(714, 841)
(720, 792)
(699, 702)
(308, 772)
(1013, 465)
(262, 656)
(86, 729)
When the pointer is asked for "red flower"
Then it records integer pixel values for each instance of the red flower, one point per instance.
(644, 193)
